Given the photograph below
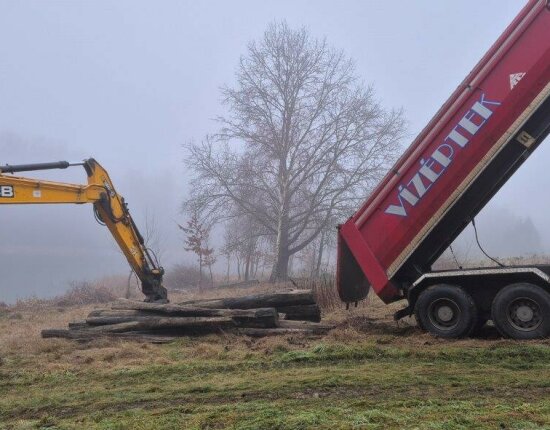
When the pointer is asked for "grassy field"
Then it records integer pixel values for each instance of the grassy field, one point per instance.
(369, 373)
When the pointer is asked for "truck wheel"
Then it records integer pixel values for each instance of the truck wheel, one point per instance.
(446, 311)
(522, 311)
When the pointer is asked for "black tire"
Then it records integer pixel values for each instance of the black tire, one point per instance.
(522, 311)
(446, 311)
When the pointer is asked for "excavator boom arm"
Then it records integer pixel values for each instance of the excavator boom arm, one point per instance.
(109, 208)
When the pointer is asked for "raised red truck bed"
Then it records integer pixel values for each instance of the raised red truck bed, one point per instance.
(496, 117)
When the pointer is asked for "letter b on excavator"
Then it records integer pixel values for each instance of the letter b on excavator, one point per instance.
(6, 191)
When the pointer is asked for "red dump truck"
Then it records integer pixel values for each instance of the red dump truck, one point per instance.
(492, 122)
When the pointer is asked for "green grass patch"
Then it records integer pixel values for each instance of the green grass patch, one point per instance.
(329, 385)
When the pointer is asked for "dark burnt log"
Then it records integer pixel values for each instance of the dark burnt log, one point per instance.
(263, 317)
(86, 335)
(168, 309)
(266, 317)
(301, 313)
(76, 325)
(268, 300)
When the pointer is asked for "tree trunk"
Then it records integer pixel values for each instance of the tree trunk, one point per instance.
(211, 275)
(200, 273)
(239, 268)
(247, 267)
(252, 267)
(320, 256)
(312, 261)
(128, 286)
(290, 268)
(228, 267)
(256, 265)
(280, 268)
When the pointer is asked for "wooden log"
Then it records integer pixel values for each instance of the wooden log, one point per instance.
(140, 308)
(116, 328)
(167, 309)
(117, 319)
(263, 317)
(288, 298)
(158, 323)
(266, 317)
(301, 313)
(86, 335)
(76, 325)
(114, 313)
(128, 310)
(71, 334)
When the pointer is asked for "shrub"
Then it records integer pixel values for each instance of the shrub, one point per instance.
(79, 293)
(184, 277)
(85, 293)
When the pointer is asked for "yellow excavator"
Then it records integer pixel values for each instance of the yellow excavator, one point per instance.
(109, 208)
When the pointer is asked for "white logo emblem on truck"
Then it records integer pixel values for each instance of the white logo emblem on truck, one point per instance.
(442, 157)
(515, 78)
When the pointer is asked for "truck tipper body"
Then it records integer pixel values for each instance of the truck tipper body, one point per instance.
(492, 122)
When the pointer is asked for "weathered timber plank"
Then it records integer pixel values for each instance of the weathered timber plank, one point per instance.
(266, 317)
(301, 312)
(289, 298)
(87, 335)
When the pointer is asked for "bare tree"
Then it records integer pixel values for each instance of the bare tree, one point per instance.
(153, 236)
(243, 239)
(197, 234)
(302, 142)
(227, 250)
(153, 240)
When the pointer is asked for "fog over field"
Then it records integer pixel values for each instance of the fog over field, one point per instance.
(130, 82)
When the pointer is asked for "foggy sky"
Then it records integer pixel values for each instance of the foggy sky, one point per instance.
(129, 82)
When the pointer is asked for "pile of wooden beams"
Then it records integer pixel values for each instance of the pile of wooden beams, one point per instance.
(293, 312)
(297, 305)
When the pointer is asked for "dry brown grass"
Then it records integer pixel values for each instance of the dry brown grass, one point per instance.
(20, 327)
(370, 321)
(21, 324)
(219, 380)
(20, 339)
